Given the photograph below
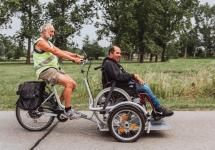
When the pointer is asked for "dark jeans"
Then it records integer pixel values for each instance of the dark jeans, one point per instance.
(144, 88)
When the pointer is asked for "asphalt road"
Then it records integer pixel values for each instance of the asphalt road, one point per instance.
(191, 130)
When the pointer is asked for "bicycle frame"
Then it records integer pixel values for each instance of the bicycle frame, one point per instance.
(113, 110)
(55, 94)
(91, 102)
(86, 82)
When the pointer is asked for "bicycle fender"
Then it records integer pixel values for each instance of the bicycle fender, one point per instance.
(130, 104)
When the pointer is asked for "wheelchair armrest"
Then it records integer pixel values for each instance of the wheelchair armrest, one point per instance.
(99, 67)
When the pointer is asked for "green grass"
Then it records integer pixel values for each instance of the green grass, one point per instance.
(186, 84)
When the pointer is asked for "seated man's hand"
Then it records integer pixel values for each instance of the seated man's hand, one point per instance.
(138, 79)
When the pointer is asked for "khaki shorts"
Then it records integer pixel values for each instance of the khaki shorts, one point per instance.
(51, 75)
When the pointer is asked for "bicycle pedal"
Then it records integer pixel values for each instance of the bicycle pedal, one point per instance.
(102, 111)
(82, 115)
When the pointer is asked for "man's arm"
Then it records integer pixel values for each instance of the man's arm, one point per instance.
(71, 54)
(56, 51)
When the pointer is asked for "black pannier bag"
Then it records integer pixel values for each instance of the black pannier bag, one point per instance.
(30, 94)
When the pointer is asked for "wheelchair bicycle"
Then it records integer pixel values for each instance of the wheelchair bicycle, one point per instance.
(124, 116)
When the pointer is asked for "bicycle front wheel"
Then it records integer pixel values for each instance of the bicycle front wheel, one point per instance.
(33, 120)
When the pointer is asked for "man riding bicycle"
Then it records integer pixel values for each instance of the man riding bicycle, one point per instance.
(47, 68)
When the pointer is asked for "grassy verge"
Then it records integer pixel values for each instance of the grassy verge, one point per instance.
(180, 84)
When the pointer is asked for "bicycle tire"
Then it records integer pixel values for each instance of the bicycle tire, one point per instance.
(34, 123)
(129, 129)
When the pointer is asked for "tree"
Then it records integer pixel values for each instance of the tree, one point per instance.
(30, 13)
(206, 16)
(68, 16)
(93, 49)
(147, 25)
(20, 48)
(174, 16)
(118, 21)
(9, 48)
(7, 9)
(146, 14)
(2, 46)
(201, 37)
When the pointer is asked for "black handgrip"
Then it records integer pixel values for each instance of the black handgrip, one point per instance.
(90, 58)
(99, 67)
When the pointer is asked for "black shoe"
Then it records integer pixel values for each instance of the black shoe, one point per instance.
(164, 112)
(155, 116)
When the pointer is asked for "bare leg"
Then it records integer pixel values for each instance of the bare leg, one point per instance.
(69, 85)
(62, 98)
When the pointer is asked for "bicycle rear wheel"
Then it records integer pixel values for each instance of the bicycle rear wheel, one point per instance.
(33, 120)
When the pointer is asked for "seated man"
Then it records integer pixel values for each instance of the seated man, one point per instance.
(46, 65)
(115, 72)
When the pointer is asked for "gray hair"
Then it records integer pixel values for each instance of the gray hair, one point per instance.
(44, 27)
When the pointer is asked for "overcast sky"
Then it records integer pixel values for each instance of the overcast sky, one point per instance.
(89, 30)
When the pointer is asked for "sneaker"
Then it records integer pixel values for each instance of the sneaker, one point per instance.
(164, 112)
(72, 114)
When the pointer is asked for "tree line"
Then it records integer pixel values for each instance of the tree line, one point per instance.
(159, 29)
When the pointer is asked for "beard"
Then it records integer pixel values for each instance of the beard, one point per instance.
(50, 38)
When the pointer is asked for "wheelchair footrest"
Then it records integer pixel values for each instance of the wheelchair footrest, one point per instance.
(159, 125)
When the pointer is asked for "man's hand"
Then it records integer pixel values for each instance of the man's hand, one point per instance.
(80, 56)
(138, 79)
(77, 60)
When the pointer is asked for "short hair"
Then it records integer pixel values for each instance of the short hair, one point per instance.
(44, 27)
(111, 50)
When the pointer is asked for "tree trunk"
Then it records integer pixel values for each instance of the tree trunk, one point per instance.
(185, 52)
(151, 57)
(163, 54)
(141, 57)
(142, 52)
(131, 56)
(194, 54)
(205, 53)
(28, 60)
(156, 58)
(141, 41)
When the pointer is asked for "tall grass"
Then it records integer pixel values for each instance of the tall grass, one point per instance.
(190, 79)
(179, 83)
